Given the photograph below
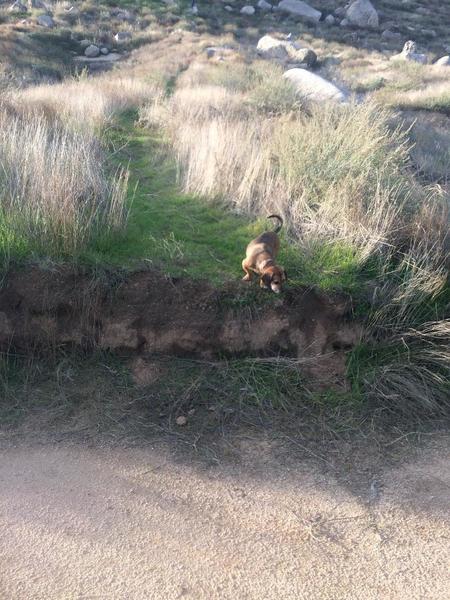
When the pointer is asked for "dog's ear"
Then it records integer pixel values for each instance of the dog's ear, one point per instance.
(285, 275)
(266, 279)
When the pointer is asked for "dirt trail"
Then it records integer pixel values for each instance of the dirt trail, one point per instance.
(125, 523)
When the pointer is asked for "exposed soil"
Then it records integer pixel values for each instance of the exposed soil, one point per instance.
(131, 524)
(148, 313)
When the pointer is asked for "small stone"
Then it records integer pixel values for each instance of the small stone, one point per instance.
(247, 10)
(390, 35)
(104, 50)
(92, 51)
(122, 36)
(181, 420)
(330, 20)
(263, 5)
(340, 11)
(84, 44)
(228, 8)
(344, 23)
(37, 4)
(45, 21)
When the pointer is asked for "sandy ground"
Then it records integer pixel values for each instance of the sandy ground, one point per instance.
(124, 523)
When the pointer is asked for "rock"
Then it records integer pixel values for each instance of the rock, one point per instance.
(121, 14)
(36, 4)
(270, 47)
(313, 87)
(305, 56)
(444, 61)
(263, 5)
(297, 8)
(361, 13)
(104, 50)
(18, 7)
(330, 20)
(92, 51)
(122, 36)
(391, 35)
(410, 53)
(247, 10)
(181, 420)
(423, 11)
(344, 23)
(285, 50)
(46, 21)
(228, 8)
(84, 44)
(340, 11)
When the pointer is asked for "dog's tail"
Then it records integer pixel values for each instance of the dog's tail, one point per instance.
(280, 222)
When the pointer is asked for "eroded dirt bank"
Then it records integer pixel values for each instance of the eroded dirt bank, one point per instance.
(147, 312)
(134, 524)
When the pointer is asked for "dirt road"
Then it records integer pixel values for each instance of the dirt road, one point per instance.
(80, 523)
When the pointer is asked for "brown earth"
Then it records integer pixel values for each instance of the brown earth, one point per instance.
(149, 313)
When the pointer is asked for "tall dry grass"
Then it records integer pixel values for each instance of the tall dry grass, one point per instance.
(83, 101)
(55, 190)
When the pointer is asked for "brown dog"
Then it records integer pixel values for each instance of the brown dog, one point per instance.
(260, 258)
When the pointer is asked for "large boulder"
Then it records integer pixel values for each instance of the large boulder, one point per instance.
(410, 53)
(444, 61)
(313, 87)
(297, 8)
(361, 13)
(285, 51)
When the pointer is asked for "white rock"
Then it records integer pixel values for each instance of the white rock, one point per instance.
(298, 8)
(104, 50)
(228, 8)
(285, 50)
(330, 20)
(45, 21)
(122, 36)
(361, 13)
(444, 61)
(92, 51)
(313, 87)
(247, 10)
(181, 420)
(263, 5)
(270, 47)
(410, 53)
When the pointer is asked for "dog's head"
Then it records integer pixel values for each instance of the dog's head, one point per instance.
(273, 278)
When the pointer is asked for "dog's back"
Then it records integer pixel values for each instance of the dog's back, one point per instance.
(266, 242)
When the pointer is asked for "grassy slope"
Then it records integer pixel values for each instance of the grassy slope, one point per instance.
(183, 235)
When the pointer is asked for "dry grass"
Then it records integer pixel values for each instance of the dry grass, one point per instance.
(55, 190)
(339, 175)
(334, 173)
(86, 102)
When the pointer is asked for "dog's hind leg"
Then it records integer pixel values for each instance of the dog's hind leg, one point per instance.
(248, 274)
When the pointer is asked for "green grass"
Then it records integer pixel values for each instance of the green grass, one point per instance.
(183, 235)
